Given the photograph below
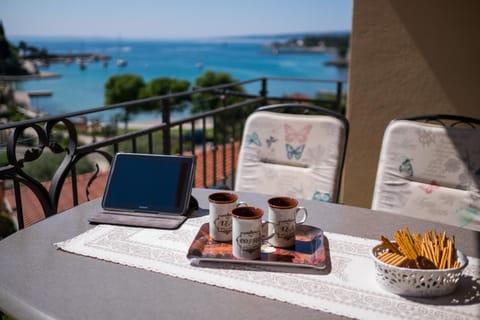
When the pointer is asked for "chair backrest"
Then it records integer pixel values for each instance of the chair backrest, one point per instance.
(431, 170)
(298, 155)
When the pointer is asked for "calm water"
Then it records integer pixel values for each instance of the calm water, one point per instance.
(83, 89)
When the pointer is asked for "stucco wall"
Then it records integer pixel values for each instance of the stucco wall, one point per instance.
(407, 58)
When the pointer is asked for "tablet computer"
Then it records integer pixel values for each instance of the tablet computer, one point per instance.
(158, 184)
(147, 190)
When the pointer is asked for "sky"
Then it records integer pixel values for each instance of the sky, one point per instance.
(170, 19)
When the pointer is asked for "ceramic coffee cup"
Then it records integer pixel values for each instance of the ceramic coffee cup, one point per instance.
(283, 215)
(221, 205)
(247, 232)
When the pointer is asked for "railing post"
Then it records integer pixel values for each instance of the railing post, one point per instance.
(339, 96)
(223, 99)
(232, 148)
(167, 145)
(74, 185)
(264, 90)
(18, 202)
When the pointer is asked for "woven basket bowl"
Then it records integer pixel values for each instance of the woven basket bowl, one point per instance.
(417, 282)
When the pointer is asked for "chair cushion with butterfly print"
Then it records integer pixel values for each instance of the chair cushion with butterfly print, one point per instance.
(296, 155)
(430, 171)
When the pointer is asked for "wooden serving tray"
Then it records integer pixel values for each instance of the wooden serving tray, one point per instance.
(308, 252)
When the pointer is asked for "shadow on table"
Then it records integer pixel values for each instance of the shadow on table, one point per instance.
(200, 212)
(467, 293)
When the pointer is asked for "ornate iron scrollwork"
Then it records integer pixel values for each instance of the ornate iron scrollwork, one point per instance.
(17, 158)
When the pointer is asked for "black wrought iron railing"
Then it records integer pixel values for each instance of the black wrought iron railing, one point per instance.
(213, 136)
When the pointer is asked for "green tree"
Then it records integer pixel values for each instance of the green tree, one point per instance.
(22, 46)
(209, 101)
(164, 86)
(5, 50)
(44, 167)
(123, 88)
(43, 53)
(330, 40)
(7, 227)
(342, 52)
(329, 100)
(9, 62)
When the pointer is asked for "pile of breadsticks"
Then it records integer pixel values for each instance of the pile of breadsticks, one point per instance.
(431, 251)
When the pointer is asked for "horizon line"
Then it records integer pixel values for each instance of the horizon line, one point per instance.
(214, 37)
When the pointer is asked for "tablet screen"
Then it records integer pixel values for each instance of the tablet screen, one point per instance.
(149, 183)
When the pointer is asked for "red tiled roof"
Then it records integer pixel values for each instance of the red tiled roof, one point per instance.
(33, 212)
(229, 166)
(300, 96)
(32, 209)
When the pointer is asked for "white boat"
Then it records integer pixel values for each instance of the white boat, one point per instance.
(121, 63)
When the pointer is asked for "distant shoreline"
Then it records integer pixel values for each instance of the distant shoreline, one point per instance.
(32, 64)
(41, 75)
(71, 57)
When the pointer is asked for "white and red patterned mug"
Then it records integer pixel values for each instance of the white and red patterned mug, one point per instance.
(247, 233)
(283, 213)
(221, 205)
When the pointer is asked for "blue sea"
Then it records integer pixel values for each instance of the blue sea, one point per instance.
(242, 58)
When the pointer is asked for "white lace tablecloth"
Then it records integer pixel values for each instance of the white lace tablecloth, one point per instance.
(349, 289)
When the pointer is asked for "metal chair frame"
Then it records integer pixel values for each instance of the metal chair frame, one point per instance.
(440, 118)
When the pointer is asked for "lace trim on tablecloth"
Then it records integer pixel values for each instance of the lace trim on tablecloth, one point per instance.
(349, 287)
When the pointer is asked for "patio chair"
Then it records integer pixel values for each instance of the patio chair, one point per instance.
(429, 167)
(293, 149)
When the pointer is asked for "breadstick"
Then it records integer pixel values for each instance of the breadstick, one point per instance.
(450, 253)
(433, 246)
(406, 244)
(392, 258)
(387, 244)
(444, 239)
(443, 260)
(417, 241)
